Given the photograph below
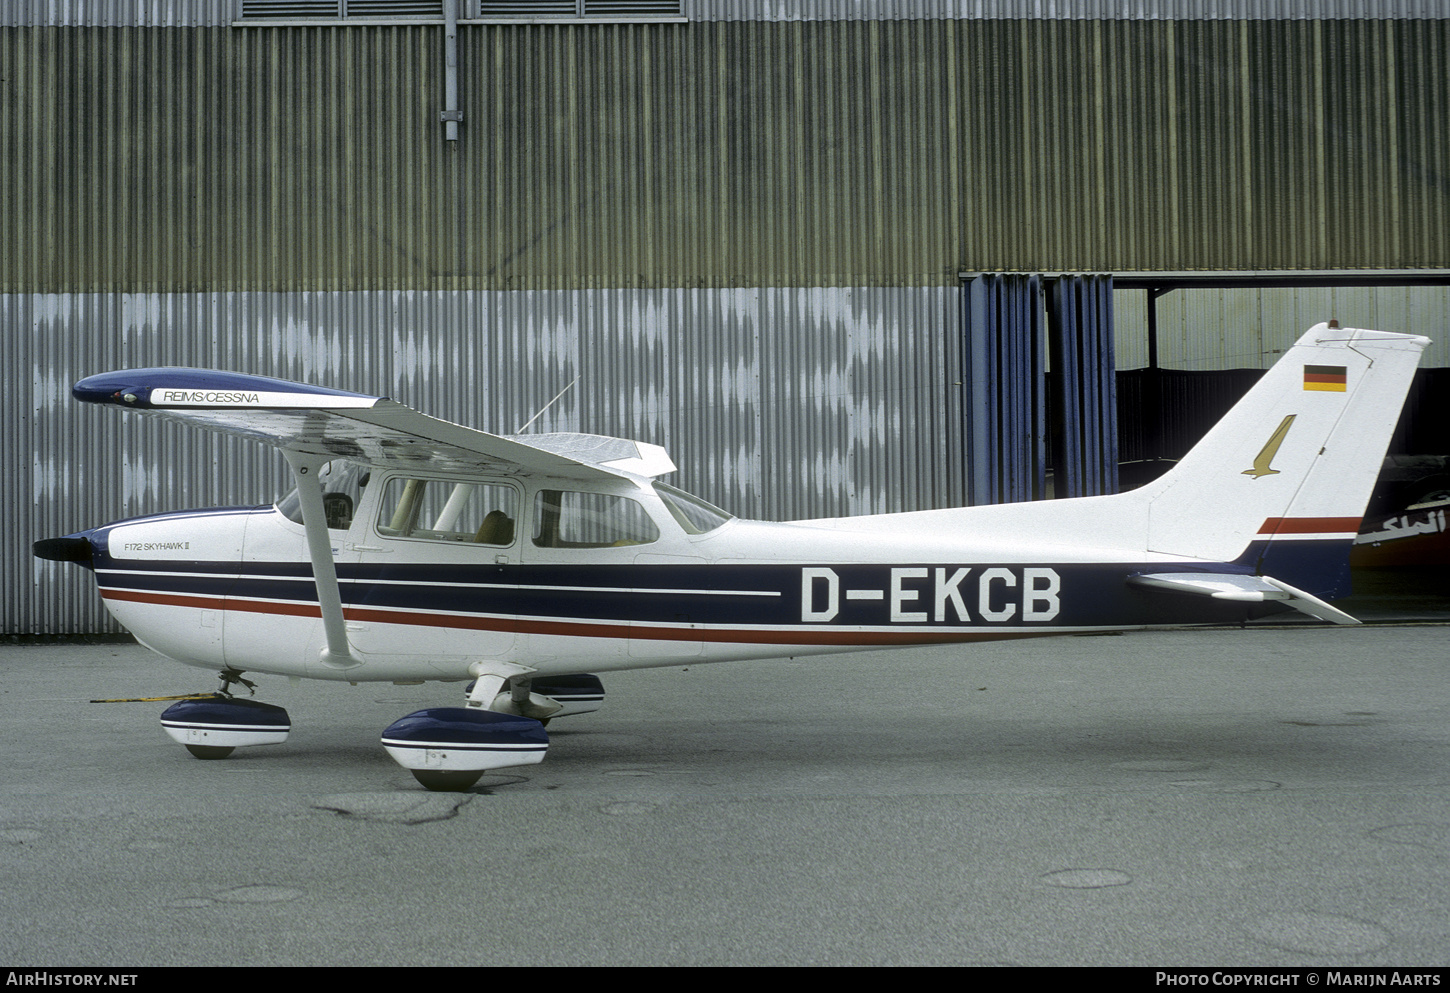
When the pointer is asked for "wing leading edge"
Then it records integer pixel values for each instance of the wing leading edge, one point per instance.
(377, 431)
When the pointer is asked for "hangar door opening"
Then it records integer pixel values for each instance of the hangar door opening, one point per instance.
(1039, 395)
(1190, 345)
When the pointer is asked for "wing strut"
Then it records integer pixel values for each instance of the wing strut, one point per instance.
(338, 653)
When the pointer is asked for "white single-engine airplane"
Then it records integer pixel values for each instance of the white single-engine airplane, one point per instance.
(414, 549)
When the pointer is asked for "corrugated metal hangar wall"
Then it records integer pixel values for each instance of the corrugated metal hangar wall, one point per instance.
(745, 231)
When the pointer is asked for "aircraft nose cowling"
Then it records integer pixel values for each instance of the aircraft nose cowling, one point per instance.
(71, 548)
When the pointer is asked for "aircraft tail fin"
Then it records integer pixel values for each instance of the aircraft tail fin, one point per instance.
(1281, 482)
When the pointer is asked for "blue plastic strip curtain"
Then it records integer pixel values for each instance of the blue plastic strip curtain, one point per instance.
(1084, 403)
(1003, 400)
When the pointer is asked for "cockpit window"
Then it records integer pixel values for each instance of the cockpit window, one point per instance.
(570, 519)
(693, 514)
(448, 510)
(342, 485)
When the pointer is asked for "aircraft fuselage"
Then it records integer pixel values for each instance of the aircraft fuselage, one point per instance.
(234, 588)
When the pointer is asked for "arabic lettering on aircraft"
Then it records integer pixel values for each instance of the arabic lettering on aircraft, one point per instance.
(1405, 526)
(950, 595)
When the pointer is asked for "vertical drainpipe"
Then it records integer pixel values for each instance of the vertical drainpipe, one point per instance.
(451, 115)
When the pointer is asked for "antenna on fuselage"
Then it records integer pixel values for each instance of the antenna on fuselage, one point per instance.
(547, 406)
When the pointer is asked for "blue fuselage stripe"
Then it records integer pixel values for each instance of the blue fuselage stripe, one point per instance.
(903, 596)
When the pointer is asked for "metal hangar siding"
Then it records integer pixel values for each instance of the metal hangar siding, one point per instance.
(718, 153)
(744, 233)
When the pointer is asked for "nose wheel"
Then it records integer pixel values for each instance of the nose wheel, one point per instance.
(213, 727)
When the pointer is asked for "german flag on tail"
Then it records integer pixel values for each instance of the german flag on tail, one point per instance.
(1325, 378)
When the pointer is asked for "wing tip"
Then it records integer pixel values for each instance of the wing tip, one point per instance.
(166, 387)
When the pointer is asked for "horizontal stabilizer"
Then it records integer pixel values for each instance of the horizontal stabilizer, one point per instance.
(1246, 589)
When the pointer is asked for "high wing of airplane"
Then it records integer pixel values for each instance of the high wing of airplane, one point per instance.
(416, 550)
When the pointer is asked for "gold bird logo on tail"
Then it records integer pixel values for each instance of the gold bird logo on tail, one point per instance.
(1271, 448)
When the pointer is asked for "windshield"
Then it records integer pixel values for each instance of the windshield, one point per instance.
(693, 514)
(342, 484)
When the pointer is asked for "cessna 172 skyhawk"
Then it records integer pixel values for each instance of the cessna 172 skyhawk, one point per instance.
(415, 549)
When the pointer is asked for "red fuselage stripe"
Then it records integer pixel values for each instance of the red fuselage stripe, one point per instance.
(1310, 525)
(574, 629)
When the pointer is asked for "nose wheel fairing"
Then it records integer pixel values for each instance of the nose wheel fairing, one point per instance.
(211, 728)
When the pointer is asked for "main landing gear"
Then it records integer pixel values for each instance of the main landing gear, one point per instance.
(212, 727)
(448, 748)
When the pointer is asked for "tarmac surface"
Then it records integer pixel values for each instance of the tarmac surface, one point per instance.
(1265, 796)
